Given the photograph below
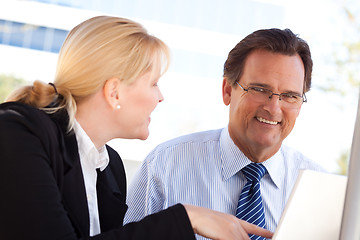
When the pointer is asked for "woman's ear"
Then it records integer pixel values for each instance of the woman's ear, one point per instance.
(111, 92)
(226, 92)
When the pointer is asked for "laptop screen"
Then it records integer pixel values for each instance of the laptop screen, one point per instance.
(350, 227)
(314, 209)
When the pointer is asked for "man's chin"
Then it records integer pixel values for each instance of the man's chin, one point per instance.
(268, 142)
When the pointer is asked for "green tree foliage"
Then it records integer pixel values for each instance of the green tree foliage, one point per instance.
(348, 67)
(343, 162)
(346, 57)
(7, 84)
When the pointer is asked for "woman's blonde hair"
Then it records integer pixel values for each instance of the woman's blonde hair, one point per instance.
(94, 51)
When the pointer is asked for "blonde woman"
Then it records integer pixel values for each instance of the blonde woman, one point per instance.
(58, 178)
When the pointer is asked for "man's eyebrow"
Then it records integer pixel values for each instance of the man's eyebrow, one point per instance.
(266, 86)
(263, 85)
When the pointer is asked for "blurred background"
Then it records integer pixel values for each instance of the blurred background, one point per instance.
(200, 34)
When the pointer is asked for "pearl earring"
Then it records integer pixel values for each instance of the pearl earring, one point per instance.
(118, 106)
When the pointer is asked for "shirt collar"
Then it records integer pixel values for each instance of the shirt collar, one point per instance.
(233, 160)
(97, 158)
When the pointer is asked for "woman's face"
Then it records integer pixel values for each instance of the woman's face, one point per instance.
(137, 101)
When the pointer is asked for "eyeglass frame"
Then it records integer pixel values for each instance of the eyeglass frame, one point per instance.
(303, 96)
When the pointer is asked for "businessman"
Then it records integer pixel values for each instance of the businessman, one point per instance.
(242, 169)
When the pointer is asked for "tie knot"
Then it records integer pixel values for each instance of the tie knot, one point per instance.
(254, 171)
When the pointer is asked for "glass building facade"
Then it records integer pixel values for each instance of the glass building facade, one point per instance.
(238, 17)
(26, 35)
(199, 33)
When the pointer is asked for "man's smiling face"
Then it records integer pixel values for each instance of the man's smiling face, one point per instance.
(255, 125)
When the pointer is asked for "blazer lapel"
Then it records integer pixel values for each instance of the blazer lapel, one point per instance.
(111, 185)
(74, 193)
(111, 195)
(111, 201)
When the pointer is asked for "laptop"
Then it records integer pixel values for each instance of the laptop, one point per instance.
(325, 206)
(350, 226)
(314, 209)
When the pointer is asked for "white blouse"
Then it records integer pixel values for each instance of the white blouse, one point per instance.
(91, 159)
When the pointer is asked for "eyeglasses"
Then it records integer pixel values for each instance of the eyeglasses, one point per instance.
(289, 100)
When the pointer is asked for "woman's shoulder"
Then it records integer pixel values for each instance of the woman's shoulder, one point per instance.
(17, 109)
(15, 114)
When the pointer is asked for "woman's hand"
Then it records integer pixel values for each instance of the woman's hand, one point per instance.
(217, 225)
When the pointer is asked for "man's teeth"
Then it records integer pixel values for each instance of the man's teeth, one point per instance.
(266, 121)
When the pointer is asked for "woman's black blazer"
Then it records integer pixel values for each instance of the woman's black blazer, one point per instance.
(42, 188)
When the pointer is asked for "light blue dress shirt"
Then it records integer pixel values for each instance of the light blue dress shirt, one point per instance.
(203, 169)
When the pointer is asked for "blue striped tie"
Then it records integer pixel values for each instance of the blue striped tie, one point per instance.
(250, 207)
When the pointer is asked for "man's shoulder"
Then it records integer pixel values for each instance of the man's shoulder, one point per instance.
(191, 139)
(296, 159)
(193, 145)
(184, 153)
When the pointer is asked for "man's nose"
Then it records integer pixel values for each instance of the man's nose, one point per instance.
(273, 105)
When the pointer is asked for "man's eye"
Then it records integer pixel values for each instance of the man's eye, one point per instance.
(290, 98)
(258, 89)
(287, 95)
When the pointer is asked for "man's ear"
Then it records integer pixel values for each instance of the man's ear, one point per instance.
(226, 91)
(111, 92)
